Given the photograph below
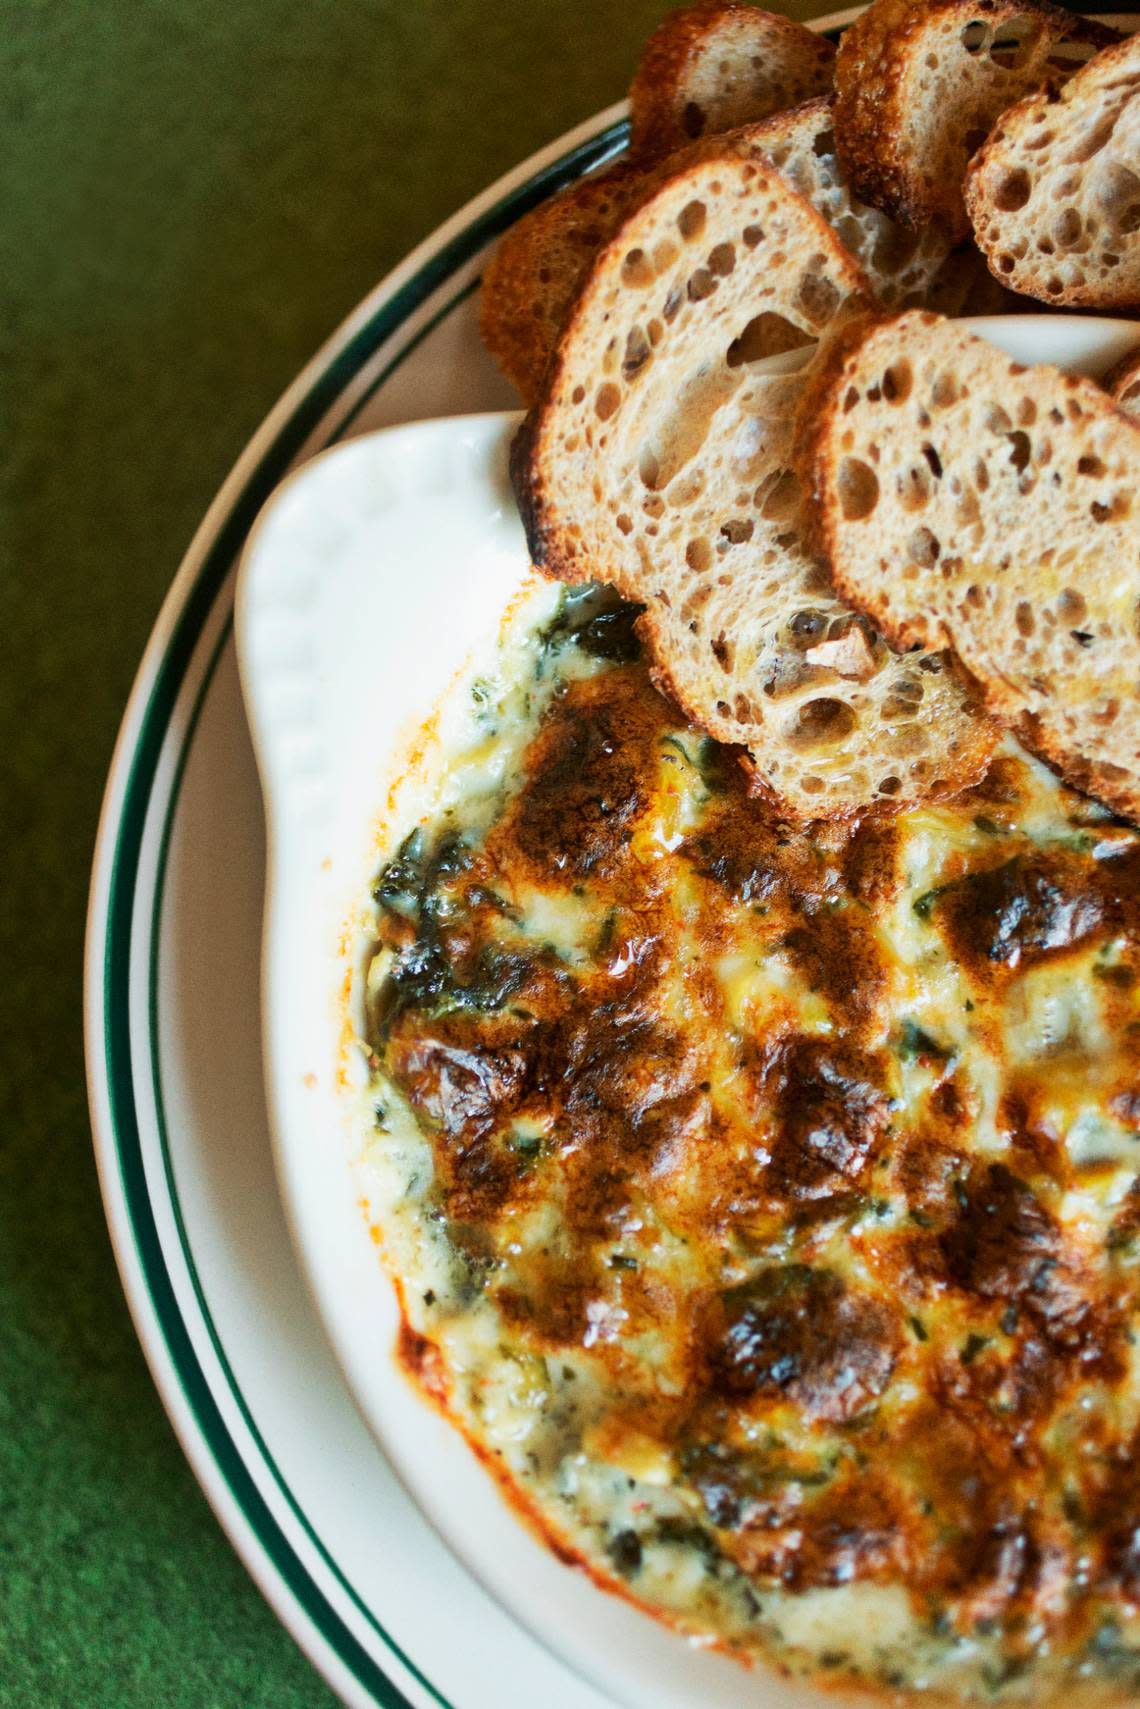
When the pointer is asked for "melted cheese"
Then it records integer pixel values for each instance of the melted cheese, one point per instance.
(770, 1196)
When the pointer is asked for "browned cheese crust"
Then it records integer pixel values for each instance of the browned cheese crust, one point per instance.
(981, 1311)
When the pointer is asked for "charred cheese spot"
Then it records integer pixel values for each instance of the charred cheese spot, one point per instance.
(589, 778)
(800, 1333)
(766, 1200)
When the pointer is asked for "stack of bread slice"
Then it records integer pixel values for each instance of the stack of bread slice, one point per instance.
(660, 459)
(862, 542)
(711, 68)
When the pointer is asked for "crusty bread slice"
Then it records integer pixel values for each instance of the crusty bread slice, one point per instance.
(901, 265)
(531, 279)
(1123, 383)
(919, 83)
(660, 460)
(715, 66)
(967, 501)
(1054, 194)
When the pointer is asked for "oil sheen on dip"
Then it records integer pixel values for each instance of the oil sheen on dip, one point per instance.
(765, 1201)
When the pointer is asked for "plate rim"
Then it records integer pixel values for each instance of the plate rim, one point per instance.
(184, 615)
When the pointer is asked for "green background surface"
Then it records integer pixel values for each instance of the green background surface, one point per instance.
(192, 195)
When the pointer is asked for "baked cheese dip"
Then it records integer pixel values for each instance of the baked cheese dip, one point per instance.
(764, 1202)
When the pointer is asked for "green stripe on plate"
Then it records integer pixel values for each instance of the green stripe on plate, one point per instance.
(169, 677)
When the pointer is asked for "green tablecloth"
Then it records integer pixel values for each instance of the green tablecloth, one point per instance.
(192, 194)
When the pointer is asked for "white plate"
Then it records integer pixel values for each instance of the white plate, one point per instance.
(344, 1555)
(373, 579)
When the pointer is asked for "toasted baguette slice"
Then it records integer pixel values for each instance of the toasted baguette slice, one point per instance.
(1054, 195)
(919, 84)
(1123, 383)
(538, 266)
(970, 502)
(715, 66)
(660, 460)
(901, 265)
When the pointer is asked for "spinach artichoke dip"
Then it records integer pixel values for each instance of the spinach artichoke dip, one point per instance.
(764, 1201)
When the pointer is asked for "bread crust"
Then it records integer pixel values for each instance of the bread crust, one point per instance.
(925, 445)
(773, 63)
(894, 154)
(531, 279)
(1122, 383)
(1054, 193)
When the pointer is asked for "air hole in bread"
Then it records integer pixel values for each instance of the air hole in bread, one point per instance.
(698, 555)
(737, 530)
(624, 523)
(1011, 44)
(691, 221)
(924, 548)
(973, 38)
(701, 285)
(807, 627)
(665, 253)
(817, 296)
(648, 468)
(1026, 412)
(778, 496)
(1118, 192)
(933, 461)
(1020, 450)
(1094, 139)
(637, 271)
(898, 381)
(1013, 191)
(818, 723)
(752, 235)
(858, 489)
(606, 400)
(672, 305)
(637, 353)
(915, 487)
(722, 259)
(722, 651)
(1067, 228)
(1024, 619)
(692, 119)
(1090, 466)
(765, 335)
